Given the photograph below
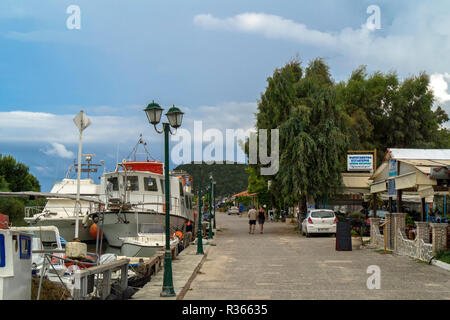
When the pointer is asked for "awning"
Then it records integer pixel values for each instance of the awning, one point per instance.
(244, 194)
(405, 181)
(378, 187)
(425, 191)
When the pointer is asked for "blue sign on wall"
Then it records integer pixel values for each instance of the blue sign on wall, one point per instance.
(2, 251)
(392, 168)
(391, 187)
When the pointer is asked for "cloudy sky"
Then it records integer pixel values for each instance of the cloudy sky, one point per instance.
(210, 58)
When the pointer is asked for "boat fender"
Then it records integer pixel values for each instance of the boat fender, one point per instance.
(85, 221)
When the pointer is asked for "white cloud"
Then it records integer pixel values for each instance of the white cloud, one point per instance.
(32, 127)
(439, 84)
(271, 26)
(222, 116)
(219, 117)
(59, 130)
(407, 50)
(48, 36)
(59, 150)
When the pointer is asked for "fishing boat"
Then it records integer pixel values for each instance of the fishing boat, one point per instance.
(60, 211)
(134, 199)
(146, 244)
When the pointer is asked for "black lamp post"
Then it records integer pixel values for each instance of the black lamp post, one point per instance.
(214, 203)
(175, 117)
(210, 236)
(200, 225)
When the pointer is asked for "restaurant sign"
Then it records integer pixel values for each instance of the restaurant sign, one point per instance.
(359, 162)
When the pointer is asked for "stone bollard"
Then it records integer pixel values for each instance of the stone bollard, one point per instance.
(439, 236)
(374, 223)
(399, 226)
(389, 230)
(423, 231)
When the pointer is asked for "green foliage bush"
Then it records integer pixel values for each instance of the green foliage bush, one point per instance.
(15, 177)
(443, 256)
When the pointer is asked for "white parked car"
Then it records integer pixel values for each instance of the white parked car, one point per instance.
(319, 221)
(233, 210)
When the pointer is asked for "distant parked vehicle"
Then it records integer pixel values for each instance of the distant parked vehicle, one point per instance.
(380, 214)
(319, 221)
(233, 210)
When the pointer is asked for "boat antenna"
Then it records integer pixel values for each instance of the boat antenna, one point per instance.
(135, 152)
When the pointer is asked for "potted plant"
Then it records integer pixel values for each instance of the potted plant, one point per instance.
(290, 218)
(410, 229)
(357, 221)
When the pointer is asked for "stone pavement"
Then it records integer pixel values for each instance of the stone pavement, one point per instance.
(282, 264)
(183, 268)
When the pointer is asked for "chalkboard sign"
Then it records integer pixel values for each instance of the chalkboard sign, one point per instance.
(343, 236)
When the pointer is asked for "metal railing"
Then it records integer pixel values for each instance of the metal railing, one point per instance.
(48, 211)
(103, 286)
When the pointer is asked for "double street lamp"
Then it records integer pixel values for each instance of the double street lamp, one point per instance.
(175, 117)
(211, 203)
(200, 225)
(214, 202)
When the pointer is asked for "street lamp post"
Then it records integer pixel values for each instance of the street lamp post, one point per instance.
(175, 117)
(214, 202)
(210, 208)
(82, 122)
(200, 225)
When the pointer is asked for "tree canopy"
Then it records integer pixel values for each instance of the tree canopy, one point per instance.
(381, 111)
(15, 176)
(320, 120)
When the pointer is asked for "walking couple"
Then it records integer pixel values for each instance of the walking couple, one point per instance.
(252, 215)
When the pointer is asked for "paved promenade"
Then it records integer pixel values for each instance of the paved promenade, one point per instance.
(281, 264)
(183, 267)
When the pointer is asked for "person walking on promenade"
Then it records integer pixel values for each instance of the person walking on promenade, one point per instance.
(261, 218)
(252, 219)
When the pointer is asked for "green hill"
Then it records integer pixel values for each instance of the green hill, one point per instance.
(230, 178)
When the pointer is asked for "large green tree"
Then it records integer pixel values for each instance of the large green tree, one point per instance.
(302, 104)
(381, 111)
(320, 120)
(15, 176)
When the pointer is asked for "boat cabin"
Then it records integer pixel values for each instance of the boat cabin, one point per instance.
(145, 191)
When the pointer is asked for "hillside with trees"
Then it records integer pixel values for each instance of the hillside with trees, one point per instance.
(15, 176)
(230, 178)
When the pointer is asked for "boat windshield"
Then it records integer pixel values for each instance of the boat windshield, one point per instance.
(133, 183)
(114, 182)
(150, 184)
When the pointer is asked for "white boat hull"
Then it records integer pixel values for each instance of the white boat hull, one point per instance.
(114, 228)
(66, 227)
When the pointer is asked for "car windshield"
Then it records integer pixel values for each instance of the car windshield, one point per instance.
(322, 214)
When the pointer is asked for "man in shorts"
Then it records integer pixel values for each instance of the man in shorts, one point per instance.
(252, 219)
